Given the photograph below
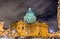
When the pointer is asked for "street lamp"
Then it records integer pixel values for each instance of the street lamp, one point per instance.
(51, 31)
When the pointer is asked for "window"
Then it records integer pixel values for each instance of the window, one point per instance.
(22, 28)
(39, 33)
(18, 27)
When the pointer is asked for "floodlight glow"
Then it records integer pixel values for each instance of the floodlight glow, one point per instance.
(26, 32)
(51, 31)
(13, 31)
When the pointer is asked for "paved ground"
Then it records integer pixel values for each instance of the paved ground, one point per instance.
(24, 38)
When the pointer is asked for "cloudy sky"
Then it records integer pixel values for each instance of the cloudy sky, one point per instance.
(14, 10)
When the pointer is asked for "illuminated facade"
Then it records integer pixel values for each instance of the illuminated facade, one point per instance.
(35, 29)
(1, 26)
(58, 18)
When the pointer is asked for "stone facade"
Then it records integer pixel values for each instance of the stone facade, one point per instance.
(58, 17)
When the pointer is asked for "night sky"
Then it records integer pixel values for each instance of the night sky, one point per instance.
(14, 10)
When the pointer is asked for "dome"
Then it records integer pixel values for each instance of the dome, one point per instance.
(30, 17)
